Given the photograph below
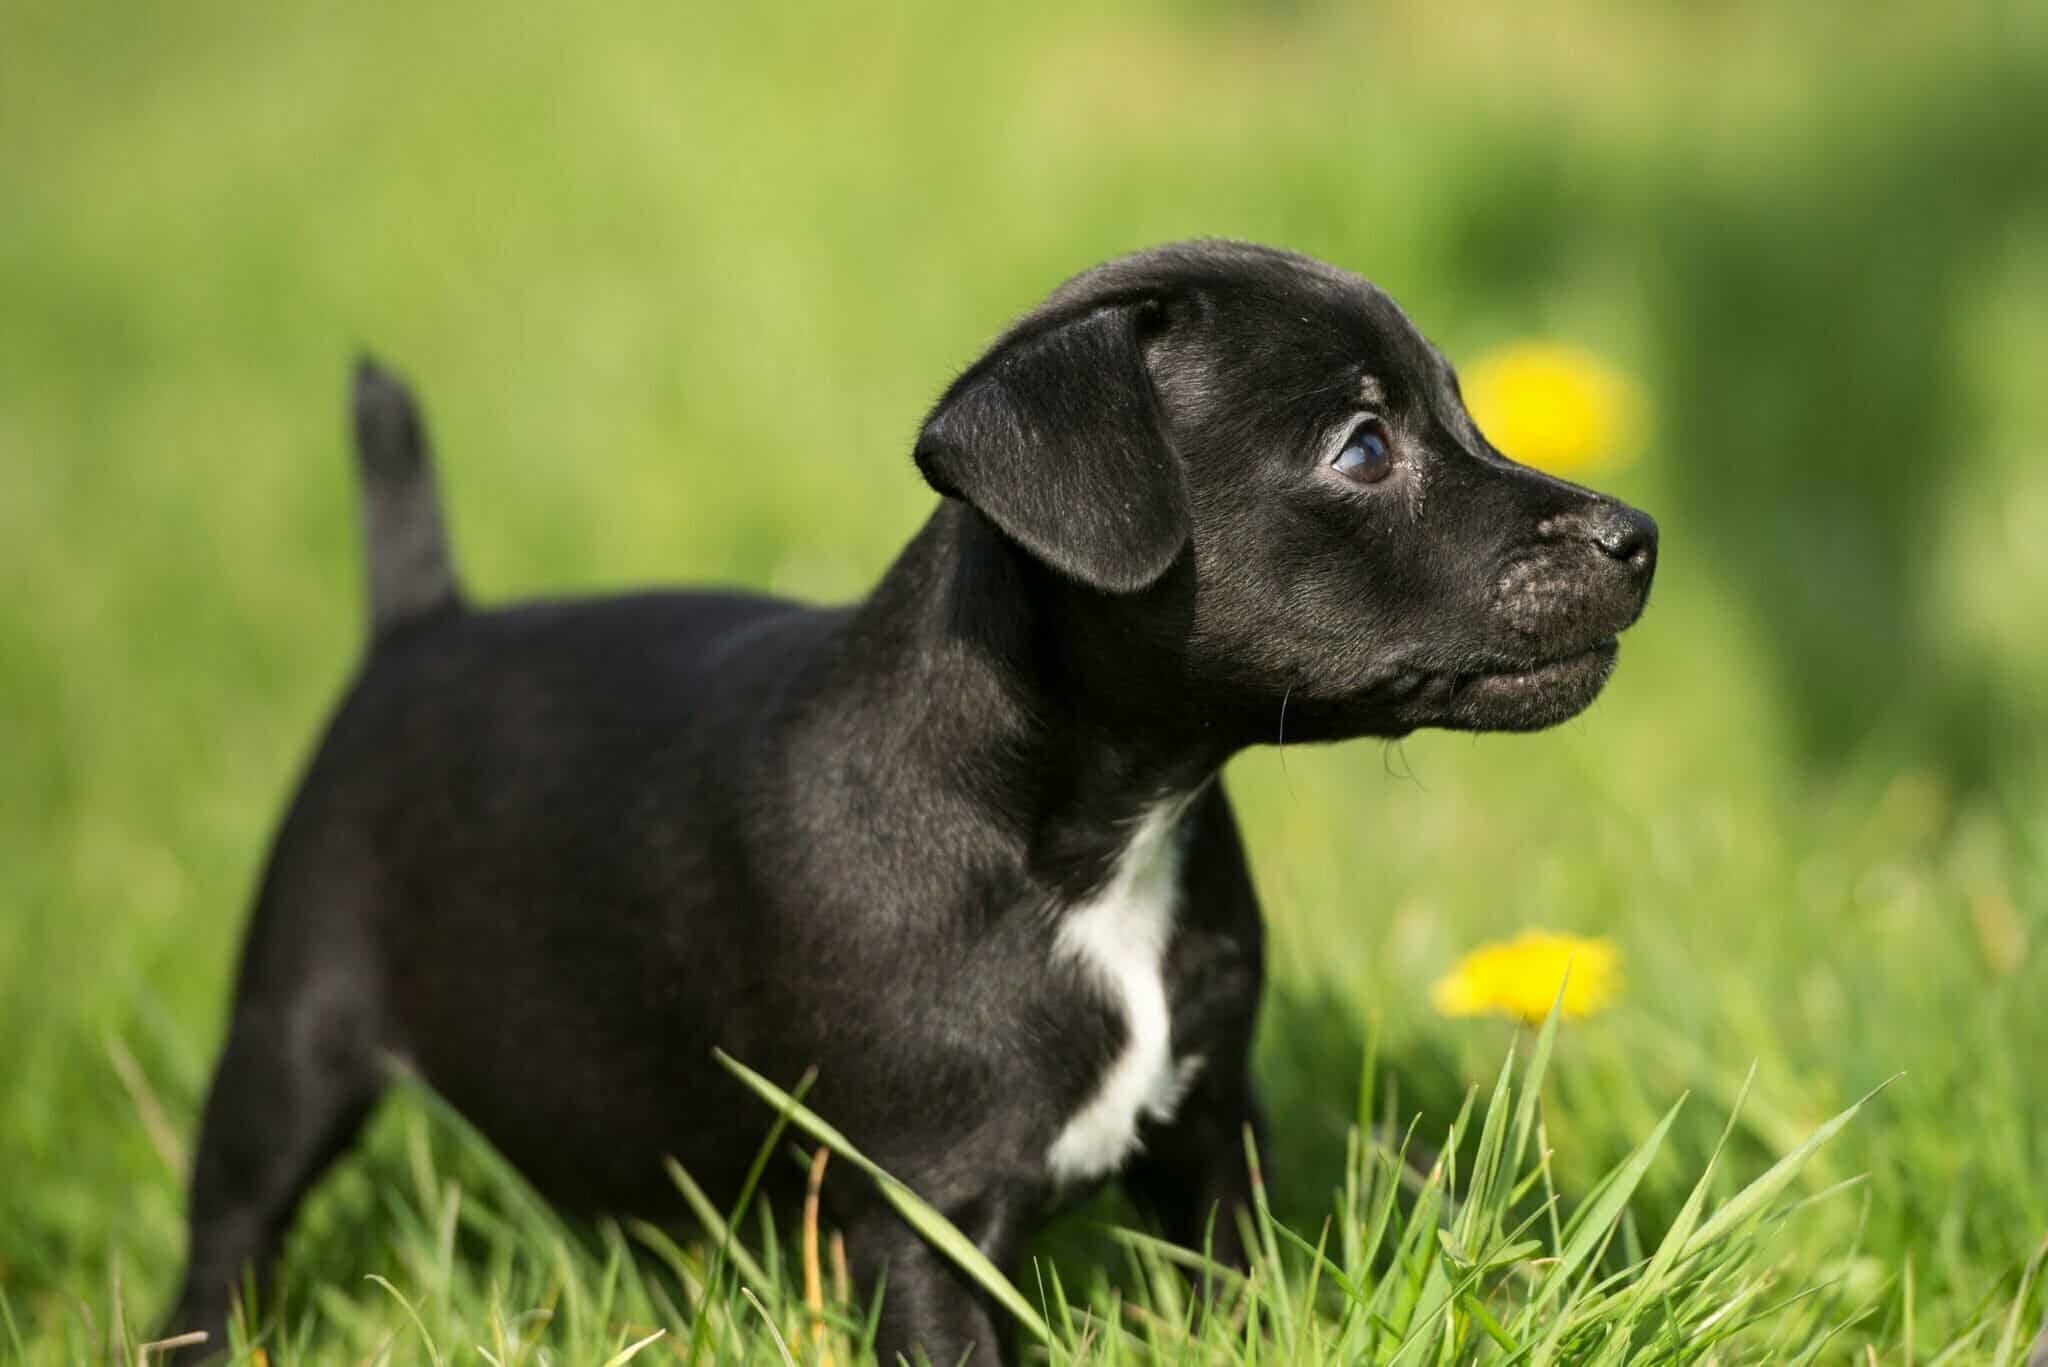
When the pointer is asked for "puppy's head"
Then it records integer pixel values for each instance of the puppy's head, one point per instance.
(1267, 442)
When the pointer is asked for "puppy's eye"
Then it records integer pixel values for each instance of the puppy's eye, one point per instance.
(1367, 457)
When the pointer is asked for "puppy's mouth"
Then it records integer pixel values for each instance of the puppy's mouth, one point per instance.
(1519, 696)
(1595, 663)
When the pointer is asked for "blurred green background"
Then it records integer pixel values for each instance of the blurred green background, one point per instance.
(677, 282)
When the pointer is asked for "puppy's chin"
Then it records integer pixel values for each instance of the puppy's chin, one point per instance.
(1527, 698)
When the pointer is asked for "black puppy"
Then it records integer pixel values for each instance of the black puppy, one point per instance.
(958, 847)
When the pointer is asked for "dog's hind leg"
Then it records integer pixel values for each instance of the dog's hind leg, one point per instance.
(299, 1073)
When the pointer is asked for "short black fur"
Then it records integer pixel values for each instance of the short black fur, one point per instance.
(549, 856)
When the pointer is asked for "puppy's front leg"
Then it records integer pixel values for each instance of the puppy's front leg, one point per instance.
(931, 1310)
(1192, 1174)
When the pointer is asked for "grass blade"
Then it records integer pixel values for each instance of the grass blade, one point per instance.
(1750, 1202)
(1593, 1223)
(921, 1216)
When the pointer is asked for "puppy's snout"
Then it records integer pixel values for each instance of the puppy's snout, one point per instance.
(1589, 574)
(1626, 535)
(1620, 533)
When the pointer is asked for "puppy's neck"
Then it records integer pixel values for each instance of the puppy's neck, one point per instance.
(1058, 707)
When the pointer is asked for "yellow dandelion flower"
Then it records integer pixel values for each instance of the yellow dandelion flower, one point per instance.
(1558, 408)
(1521, 977)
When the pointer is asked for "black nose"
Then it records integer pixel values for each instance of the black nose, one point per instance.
(1626, 535)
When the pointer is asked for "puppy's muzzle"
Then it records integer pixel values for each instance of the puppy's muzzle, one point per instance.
(1587, 578)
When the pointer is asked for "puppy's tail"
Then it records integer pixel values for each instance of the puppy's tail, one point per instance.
(411, 577)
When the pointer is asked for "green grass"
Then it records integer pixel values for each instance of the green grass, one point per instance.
(676, 287)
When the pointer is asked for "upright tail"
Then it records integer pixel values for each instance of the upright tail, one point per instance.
(406, 546)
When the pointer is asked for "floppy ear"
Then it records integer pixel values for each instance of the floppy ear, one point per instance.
(1054, 436)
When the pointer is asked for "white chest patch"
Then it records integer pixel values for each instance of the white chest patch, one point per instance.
(1118, 939)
